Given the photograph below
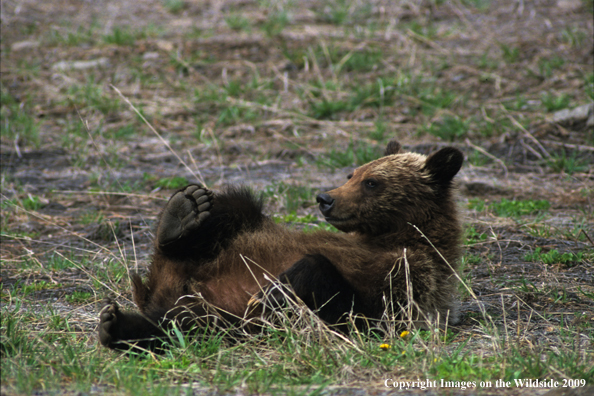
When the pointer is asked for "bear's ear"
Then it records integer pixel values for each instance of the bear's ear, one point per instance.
(393, 148)
(444, 164)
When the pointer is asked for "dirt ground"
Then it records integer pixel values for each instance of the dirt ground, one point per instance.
(90, 156)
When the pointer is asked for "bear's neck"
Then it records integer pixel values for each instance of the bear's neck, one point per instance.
(442, 233)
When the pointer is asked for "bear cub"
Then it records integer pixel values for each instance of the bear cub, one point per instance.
(215, 253)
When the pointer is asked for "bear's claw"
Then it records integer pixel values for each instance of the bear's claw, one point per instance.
(108, 322)
(184, 213)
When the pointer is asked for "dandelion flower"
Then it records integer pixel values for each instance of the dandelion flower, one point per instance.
(404, 334)
(385, 347)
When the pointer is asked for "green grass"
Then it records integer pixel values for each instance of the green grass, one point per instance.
(174, 6)
(238, 22)
(92, 96)
(472, 236)
(449, 128)
(292, 357)
(291, 197)
(169, 183)
(548, 66)
(561, 163)
(510, 54)
(122, 36)
(554, 257)
(17, 120)
(553, 102)
(511, 208)
(353, 155)
(275, 23)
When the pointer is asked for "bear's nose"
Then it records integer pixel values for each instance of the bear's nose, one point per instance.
(326, 203)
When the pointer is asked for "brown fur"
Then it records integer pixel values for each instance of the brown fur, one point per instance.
(381, 210)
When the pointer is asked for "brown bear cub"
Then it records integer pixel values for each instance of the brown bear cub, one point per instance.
(215, 253)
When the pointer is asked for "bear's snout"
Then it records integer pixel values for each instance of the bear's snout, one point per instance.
(326, 203)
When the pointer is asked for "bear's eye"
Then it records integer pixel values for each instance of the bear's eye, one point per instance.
(370, 183)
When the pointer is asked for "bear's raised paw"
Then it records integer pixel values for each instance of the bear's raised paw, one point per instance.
(184, 213)
(108, 322)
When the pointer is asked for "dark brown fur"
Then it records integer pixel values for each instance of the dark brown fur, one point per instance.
(221, 247)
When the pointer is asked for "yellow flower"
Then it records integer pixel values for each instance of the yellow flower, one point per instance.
(385, 347)
(404, 334)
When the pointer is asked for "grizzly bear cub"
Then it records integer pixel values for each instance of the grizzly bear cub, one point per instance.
(215, 253)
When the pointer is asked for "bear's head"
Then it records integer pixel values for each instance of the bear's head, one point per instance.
(385, 195)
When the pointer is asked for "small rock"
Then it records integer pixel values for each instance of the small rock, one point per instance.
(150, 55)
(584, 113)
(569, 5)
(80, 65)
(21, 45)
(164, 45)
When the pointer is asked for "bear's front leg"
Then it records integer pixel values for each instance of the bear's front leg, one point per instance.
(124, 330)
(317, 282)
(185, 212)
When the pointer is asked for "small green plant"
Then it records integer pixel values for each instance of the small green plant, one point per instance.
(171, 183)
(481, 5)
(359, 155)
(510, 54)
(82, 35)
(290, 196)
(275, 23)
(433, 98)
(517, 208)
(449, 128)
(32, 202)
(91, 95)
(518, 104)
(574, 36)
(78, 297)
(486, 62)
(16, 121)
(553, 102)
(122, 36)
(327, 109)
(91, 217)
(427, 30)
(238, 22)
(174, 6)
(380, 93)
(561, 163)
(363, 61)
(554, 257)
(547, 66)
(472, 236)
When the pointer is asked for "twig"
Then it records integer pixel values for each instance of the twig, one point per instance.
(139, 114)
(486, 153)
(570, 146)
(529, 135)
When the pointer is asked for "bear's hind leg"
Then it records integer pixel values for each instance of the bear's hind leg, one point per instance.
(198, 223)
(185, 212)
(121, 330)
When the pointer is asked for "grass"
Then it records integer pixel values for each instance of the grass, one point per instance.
(290, 197)
(554, 257)
(553, 102)
(450, 128)
(511, 208)
(299, 356)
(325, 88)
(17, 120)
(353, 155)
